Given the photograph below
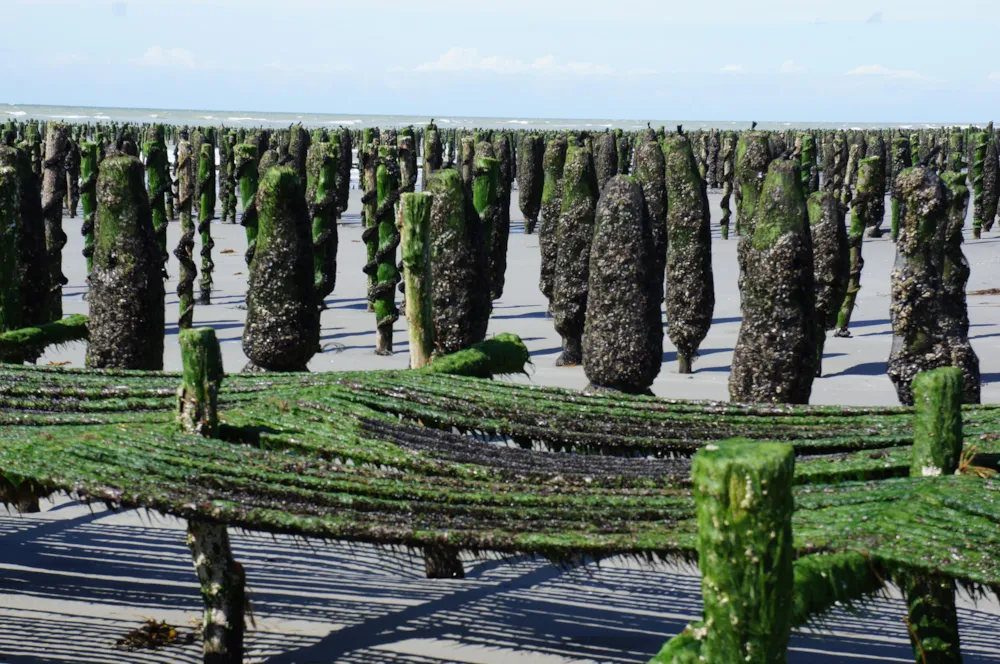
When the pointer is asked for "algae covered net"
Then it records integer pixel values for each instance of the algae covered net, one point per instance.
(420, 459)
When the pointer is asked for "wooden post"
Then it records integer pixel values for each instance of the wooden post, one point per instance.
(415, 216)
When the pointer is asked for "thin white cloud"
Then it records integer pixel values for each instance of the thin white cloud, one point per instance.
(790, 67)
(157, 56)
(468, 59)
(733, 69)
(881, 70)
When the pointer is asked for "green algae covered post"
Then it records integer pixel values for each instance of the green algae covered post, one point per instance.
(198, 395)
(157, 173)
(282, 328)
(623, 335)
(185, 247)
(530, 175)
(573, 239)
(774, 360)
(383, 294)
(983, 174)
(486, 199)
(900, 162)
(415, 252)
(553, 165)
(126, 285)
(867, 174)
(245, 165)
(206, 210)
(690, 284)
(743, 502)
(433, 153)
(831, 263)
(753, 154)
(321, 197)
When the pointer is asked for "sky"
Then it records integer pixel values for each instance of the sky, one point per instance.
(718, 60)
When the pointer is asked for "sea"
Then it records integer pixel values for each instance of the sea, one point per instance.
(312, 120)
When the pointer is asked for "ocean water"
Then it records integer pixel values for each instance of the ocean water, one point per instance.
(275, 120)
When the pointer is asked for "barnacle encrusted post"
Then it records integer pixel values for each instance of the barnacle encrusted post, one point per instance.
(712, 167)
(726, 157)
(282, 328)
(383, 295)
(831, 263)
(744, 504)
(809, 173)
(485, 198)
(72, 167)
(690, 284)
(956, 161)
(345, 162)
(433, 153)
(954, 271)
(298, 151)
(32, 253)
(553, 165)
(875, 204)
(915, 304)
(624, 152)
(937, 448)
(605, 158)
(530, 154)
(321, 197)
(245, 165)
(222, 579)
(88, 199)
(774, 359)
(184, 252)
(867, 174)
(459, 265)
(753, 154)
(900, 162)
(206, 176)
(500, 228)
(573, 238)
(53, 191)
(126, 284)
(650, 173)
(10, 267)
(984, 181)
(415, 252)
(622, 335)
(158, 177)
(367, 169)
(467, 160)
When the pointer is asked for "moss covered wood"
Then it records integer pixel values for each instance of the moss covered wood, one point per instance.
(158, 178)
(467, 162)
(573, 239)
(486, 199)
(553, 165)
(984, 181)
(809, 167)
(459, 265)
(953, 269)
(500, 229)
(530, 176)
(126, 285)
(245, 165)
(831, 263)
(867, 173)
(774, 359)
(753, 154)
(744, 504)
(31, 342)
(690, 283)
(206, 211)
(282, 327)
(622, 335)
(650, 173)
(10, 264)
(433, 153)
(382, 295)
(415, 252)
(321, 197)
(298, 151)
(53, 192)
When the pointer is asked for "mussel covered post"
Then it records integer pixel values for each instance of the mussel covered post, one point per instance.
(126, 285)
(573, 239)
(983, 174)
(88, 199)
(222, 579)
(650, 173)
(433, 153)
(459, 265)
(245, 164)
(282, 328)
(10, 266)
(53, 192)
(485, 198)
(185, 247)
(605, 158)
(937, 448)
(500, 230)
(831, 263)
(415, 213)
(744, 505)
(862, 202)
(726, 157)
(157, 172)
(753, 154)
(900, 162)
(690, 284)
(321, 196)
(774, 360)
(382, 295)
(622, 335)
(206, 210)
(553, 165)
(530, 174)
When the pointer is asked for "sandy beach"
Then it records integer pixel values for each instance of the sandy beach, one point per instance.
(75, 580)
